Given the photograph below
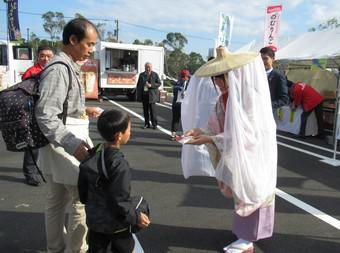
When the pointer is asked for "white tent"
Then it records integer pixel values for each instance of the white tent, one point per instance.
(316, 45)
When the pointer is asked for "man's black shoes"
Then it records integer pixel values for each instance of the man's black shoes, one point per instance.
(146, 126)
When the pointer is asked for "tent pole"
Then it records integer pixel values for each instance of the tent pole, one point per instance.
(336, 116)
(333, 161)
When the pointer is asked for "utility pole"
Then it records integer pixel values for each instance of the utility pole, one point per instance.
(28, 34)
(117, 29)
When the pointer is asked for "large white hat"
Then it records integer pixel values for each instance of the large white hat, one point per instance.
(225, 61)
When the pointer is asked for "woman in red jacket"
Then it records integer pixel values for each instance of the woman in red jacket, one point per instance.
(310, 100)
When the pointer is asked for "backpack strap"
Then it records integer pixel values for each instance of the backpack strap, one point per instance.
(65, 105)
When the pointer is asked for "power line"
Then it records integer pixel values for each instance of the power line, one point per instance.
(124, 22)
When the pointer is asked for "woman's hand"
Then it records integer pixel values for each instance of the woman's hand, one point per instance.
(200, 139)
(193, 132)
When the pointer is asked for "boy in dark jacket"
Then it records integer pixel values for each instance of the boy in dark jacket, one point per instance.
(104, 187)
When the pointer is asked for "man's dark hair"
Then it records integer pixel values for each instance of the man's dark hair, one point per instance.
(111, 122)
(268, 51)
(77, 27)
(44, 47)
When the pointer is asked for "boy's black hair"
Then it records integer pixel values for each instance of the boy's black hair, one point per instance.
(77, 27)
(111, 122)
(268, 51)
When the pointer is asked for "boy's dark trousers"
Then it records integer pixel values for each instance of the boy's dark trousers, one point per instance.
(319, 118)
(122, 242)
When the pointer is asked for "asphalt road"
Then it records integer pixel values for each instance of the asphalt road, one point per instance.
(190, 216)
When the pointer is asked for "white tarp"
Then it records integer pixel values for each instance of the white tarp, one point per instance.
(312, 45)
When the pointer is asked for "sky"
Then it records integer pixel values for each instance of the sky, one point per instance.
(197, 20)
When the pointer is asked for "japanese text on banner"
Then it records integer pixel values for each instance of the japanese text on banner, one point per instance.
(272, 26)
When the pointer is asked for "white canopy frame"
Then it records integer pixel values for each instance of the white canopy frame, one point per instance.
(316, 45)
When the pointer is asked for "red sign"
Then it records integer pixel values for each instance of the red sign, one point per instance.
(272, 27)
(89, 78)
(121, 78)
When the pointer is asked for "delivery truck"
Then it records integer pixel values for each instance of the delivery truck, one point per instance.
(14, 61)
(120, 65)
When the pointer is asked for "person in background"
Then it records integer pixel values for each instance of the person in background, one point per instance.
(69, 142)
(44, 55)
(148, 93)
(104, 187)
(311, 100)
(178, 95)
(241, 139)
(277, 82)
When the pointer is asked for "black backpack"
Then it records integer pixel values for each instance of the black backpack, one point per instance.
(18, 124)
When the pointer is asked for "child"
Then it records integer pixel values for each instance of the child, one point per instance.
(104, 188)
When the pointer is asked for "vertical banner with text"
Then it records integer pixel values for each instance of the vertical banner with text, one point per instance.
(224, 30)
(272, 26)
(13, 20)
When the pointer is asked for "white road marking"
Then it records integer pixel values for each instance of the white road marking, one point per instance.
(289, 198)
(164, 105)
(307, 144)
(308, 208)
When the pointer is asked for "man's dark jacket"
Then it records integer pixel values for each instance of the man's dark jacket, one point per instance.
(153, 92)
(108, 203)
(278, 89)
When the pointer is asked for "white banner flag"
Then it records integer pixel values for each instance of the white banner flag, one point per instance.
(224, 30)
(272, 26)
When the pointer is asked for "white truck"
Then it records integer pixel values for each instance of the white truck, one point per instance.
(120, 65)
(14, 61)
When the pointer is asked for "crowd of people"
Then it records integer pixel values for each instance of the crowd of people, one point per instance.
(237, 94)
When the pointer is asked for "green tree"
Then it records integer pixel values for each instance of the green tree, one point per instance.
(111, 37)
(146, 42)
(329, 24)
(34, 41)
(195, 61)
(53, 24)
(176, 61)
(78, 15)
(175, 41)
(101, 30)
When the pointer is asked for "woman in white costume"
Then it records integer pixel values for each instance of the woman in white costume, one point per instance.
(241, 140)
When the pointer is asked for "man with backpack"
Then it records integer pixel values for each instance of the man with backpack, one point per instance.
(69, 142)
(44, 55)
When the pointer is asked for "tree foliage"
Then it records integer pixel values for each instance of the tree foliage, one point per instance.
(175, 41)
(54, 23)
(195, 61)
(329, 24)
(146, 42)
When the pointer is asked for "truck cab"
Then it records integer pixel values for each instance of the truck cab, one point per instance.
(14, 61)
(120, 66)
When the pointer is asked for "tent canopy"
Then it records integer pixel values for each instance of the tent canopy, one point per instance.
(313, 45)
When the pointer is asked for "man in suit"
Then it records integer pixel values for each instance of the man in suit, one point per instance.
(148, 94)
(277, 82)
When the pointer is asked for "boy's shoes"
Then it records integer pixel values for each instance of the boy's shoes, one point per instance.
(32, 181)
(154, 127)
(146, 126)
